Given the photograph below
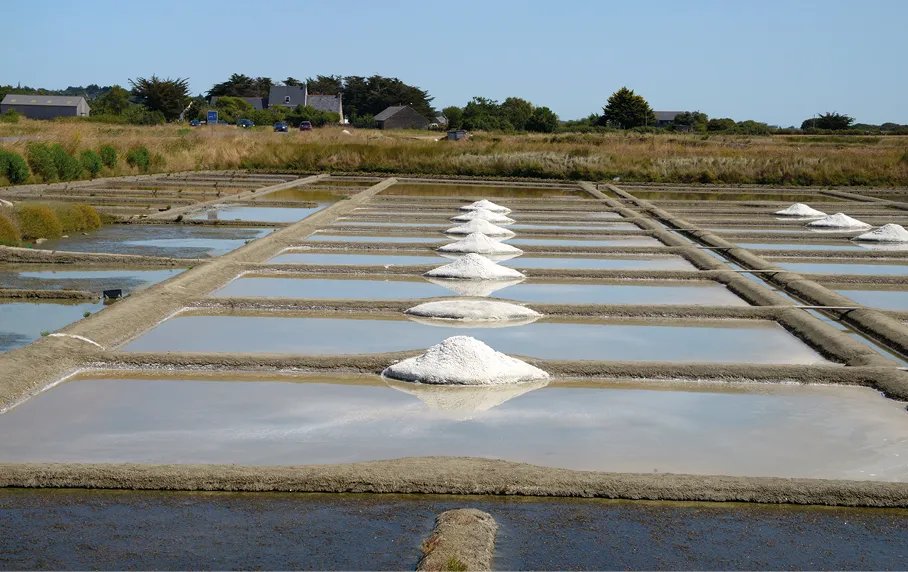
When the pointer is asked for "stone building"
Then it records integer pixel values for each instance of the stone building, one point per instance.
(401, 117)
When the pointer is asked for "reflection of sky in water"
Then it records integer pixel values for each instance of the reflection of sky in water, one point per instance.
(695, 293)
(728, 341)
(883, 299)
(789, 431)
(89, 280)
(264, 214)
(21, 323)
(803, 246)
(179, 241)
(844, 268)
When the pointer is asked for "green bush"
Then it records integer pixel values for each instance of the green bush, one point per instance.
(11, 116)
(16, 168)
(76, 217)
(139, 158)
(68, 167)
(41, 162)
(9, 234)
(91, 162)
(109, 156)
(90, 215)
(38, 221)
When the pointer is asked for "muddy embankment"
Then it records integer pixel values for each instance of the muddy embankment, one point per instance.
(457, 475)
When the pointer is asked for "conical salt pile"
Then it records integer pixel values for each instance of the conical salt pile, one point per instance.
(839, 220)
(482, 227)
(800, 209)
(480, 244)
(483, 214)
(487, 205)
(474, 267)
(462, 360)
(886, 233)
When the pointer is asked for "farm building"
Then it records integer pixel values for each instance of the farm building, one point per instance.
(401, 117)
(45, 106)
(665, 118)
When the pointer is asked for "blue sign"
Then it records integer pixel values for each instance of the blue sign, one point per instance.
(212, 118)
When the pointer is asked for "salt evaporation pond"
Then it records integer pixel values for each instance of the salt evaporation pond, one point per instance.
(661, 263)
(878, 298)
(725, 341)
(804, 431)
(650, 292)
(319, 237)
(175, 241)
(843, 245)
(38, 277)
(844, 268)
(21, 323)
(263, 214)
(464, 191)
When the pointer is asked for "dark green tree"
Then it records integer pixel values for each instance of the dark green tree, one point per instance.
(454, 116)
(292, 81)
(517, 112)
(325, 85)
(167, 96)
(543, 120)
(834, 121)
(627, 110)
(114, 102)
(239, 85)
(723, 124)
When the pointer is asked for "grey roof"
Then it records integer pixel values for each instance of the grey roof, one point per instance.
(666, 115)
(279, 93)
(389, 112)
(48, 100)
(325, 102)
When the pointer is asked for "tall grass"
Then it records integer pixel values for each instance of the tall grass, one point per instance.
(670, 158)
(9, 233)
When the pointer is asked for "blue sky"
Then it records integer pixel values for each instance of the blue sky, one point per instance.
(769, 60)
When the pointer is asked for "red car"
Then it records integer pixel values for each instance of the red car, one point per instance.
(305, 126)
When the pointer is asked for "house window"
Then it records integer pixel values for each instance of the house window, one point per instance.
(286, 99)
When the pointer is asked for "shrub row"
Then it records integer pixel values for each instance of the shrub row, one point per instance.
(33, 220)
(53, 163)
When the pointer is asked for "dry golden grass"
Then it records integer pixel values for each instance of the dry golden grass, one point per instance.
(677, 158)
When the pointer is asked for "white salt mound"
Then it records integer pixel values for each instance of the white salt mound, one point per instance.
(492, 257)
(462, 360)
(480, 244)
(473, 310)
(482, 227)
(886, 233)
(483, 214)
(838, 220)
(800, 209)
(476, 288)
(487, 205)
(474, 267)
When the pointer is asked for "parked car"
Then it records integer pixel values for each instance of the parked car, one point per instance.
(281, 127)
(305, 126)
(222, 122)
(195, 123)
(245, 123)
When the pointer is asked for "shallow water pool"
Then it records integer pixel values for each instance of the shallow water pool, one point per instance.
(726, 341)
(175, 241)
(263, 214)
(21, 323)
(703, 293)
(758, 430)
(36, 277)
(844, 268)
(879, 298)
